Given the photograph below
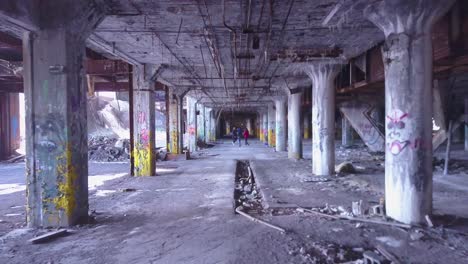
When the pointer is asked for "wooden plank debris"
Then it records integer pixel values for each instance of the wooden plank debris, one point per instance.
(49, 236)
(300, 209)
(239, 211)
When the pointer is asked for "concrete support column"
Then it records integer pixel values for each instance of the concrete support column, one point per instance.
(180, 125)
(213, 126)
(248, 125)
(271, 126)
(346, 132)
(323, 117)
(257, 126)
(294, 126)
(208, 124)
(56, 127)
(280, 126)
(265, 127)
(260, 127)
(306, 126)
(173, 144)
(407, 56)
(466, 124)
(192, 124)
(201, 122)
(228, 127)
(144, 121)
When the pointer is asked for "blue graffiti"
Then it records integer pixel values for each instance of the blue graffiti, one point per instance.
(14, 126)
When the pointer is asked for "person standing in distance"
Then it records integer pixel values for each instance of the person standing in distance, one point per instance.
(246, 136)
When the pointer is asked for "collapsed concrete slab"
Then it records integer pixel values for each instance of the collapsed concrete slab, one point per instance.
(358, 114)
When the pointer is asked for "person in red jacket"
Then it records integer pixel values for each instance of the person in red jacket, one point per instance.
(246, 136)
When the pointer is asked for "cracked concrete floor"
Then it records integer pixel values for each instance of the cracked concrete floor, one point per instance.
(185, 215)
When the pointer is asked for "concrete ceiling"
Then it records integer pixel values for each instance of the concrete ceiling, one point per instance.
(244, 61)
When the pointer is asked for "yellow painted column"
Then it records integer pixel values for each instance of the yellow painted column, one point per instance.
(306, 126)
(173, 142)
(228, 128)
(144, 122)
(271, 126)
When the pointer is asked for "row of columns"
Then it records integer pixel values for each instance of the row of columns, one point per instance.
(56, 141)
(56, 160)
(407, 59)
(201, 127)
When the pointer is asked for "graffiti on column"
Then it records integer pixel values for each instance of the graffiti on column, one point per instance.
(396, 136)
(144, 133)
(51, 129)
(191, 130)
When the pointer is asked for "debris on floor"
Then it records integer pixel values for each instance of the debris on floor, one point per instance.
(102, 148)
(246, 193)
(239, 211)
(49, 236)
(339, 212)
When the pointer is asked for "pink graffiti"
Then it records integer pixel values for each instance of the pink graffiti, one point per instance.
(191, 130)
(396, 126)
(396, 147)
(141, 117)
(144, 136)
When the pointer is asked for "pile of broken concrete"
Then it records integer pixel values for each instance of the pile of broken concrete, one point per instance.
(102, 148)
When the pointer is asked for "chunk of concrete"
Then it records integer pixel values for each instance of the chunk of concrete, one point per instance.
(371, 257)
(345, 167)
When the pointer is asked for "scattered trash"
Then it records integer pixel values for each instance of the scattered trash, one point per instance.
(371, 257)
(388, 255)
(390, 241)
(377, 210)
(246, 193)
(340, 213)
(429, 221)
(316, 179)
(319, 252)
(417, 235)
(49, 236)
(357, 208)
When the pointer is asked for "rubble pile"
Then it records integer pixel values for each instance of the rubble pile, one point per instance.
(246, 193)
(321, 252)
(102, 148)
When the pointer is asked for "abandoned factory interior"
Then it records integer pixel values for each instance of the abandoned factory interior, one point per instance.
(233, 131)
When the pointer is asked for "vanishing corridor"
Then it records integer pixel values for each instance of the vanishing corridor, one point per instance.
(233, 131)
